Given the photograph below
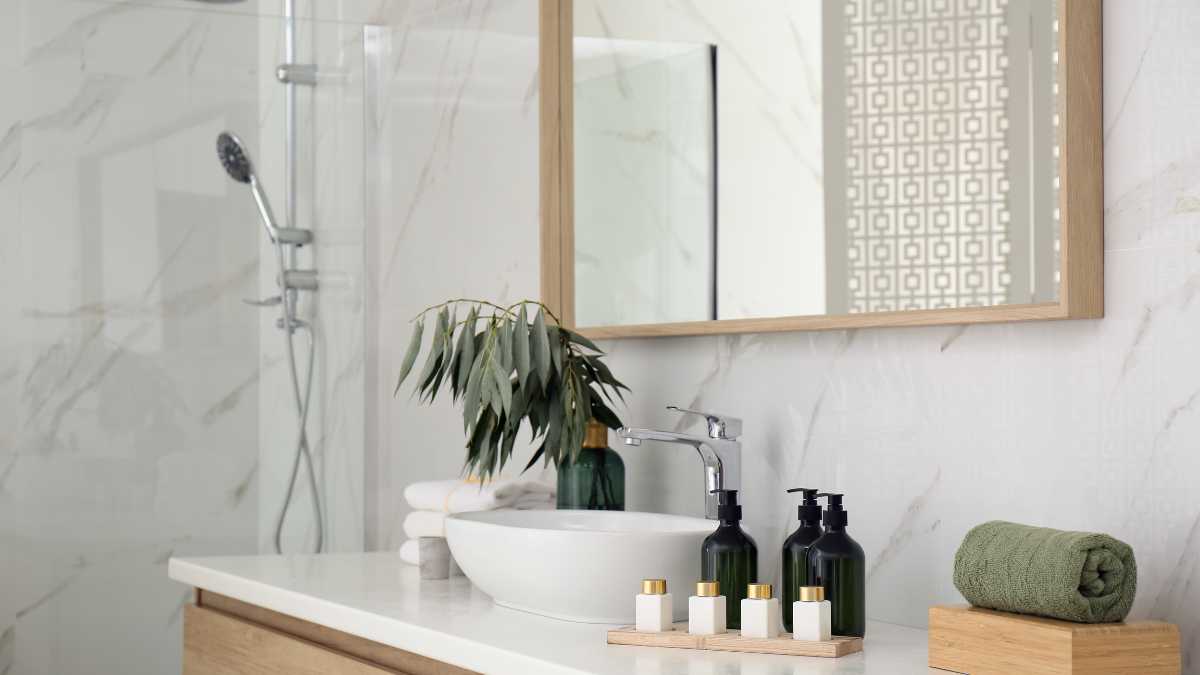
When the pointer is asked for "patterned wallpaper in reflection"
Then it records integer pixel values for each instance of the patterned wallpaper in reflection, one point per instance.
(927, 211)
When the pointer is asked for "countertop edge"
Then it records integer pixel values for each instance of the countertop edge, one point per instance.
(445, 647)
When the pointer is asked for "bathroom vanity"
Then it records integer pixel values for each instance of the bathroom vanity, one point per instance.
(368, 613)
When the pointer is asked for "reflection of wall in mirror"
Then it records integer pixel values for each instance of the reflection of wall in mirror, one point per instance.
(645, 169)
(770, 244)
(944, 193)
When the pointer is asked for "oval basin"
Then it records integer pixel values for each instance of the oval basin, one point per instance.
(582, 566)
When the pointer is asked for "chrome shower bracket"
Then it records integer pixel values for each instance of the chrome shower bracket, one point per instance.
(300, 280)
(297, 73)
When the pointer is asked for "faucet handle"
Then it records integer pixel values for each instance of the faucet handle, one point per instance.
(719, 426)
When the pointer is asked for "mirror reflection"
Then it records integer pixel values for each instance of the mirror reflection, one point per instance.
(789, 157)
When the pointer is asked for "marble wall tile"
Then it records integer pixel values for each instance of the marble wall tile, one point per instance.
(374, 12)
(929, 431)
(137, 392)
(458, 121)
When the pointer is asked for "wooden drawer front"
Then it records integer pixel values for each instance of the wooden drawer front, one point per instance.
(215, 643)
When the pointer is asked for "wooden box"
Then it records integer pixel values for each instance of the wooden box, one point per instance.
(984, 642)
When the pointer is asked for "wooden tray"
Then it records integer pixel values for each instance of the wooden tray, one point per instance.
(733, 641)
(986, 642)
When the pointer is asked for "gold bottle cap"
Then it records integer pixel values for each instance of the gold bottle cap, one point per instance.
(707, 589)
(758, 591)
(812, 593)
(654, 586)
(596, 435)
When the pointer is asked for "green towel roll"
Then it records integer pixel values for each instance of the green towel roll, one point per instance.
(1074, 576)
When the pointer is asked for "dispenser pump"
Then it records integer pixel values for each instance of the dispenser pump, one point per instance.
(728, 509)
(809, 510)
(835, 515)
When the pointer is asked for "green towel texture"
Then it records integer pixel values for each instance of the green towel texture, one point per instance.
(1074, 576)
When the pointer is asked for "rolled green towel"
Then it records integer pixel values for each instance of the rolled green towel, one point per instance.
(1074, 576)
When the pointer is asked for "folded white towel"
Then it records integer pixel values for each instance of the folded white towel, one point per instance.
(534, 501)
(410, 552)
(459, 496)
(424, 524)
(433, 523)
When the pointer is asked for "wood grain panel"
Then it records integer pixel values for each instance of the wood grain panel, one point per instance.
(215, 643)
(733, 641)
(985, 642)
(352, 645)
(1081, 164)
(556, 153)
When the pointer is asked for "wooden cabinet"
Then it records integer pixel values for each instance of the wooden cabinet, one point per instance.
(223, 636)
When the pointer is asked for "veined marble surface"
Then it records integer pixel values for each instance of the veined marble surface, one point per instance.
(135, 387)
(377, 597)
(1079, 425)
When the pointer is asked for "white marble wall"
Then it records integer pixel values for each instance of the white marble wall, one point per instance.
(135, 387)
(1087, 425)
(453, 213)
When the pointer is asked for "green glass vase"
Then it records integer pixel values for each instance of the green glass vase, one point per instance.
(595, 481)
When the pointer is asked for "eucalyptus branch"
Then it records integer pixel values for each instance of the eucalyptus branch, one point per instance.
(456, 301)
(513, 371)
(506, 310)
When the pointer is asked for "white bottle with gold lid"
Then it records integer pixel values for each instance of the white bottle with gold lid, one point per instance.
(654, 607)
(811, 615)
(760, 612)
(706, 609)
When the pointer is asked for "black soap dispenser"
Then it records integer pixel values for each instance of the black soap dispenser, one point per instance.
(795, 551)
(729, 557)
(837, 562)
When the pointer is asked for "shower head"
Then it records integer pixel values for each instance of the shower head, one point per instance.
(237, 164)
(233, 157)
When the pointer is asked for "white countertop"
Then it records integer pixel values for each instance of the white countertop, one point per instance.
(377, 597)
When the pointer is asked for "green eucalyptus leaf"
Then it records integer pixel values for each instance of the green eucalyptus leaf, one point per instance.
(490, 446)
(540, 347)
(604, 414)
(556, 349)
(505, 331)
(554, 428)
(518, 407)
(435, 351)
(584, 406)
(533, 460)
(510, 437)
(410, 354)
(520, 344)
(431, 387)
(490, 396)
(464, 353)
(581, 340)
(472, 397)
(476, 455)
(503, 386)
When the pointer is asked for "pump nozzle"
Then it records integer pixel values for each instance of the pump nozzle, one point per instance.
(835, 515)
(727, 505)
(809, 510)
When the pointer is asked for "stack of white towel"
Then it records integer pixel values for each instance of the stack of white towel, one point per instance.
(433, 500)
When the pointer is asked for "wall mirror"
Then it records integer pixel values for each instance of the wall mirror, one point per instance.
(716, 166)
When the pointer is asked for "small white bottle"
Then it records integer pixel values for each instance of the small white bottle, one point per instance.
(706, 609)
(654, 608)
(760, 612)
(811, 615)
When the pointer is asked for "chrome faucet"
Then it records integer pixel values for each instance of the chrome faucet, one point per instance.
(721, 451)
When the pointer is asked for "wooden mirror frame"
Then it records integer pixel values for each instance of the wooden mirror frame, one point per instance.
(1081, 171)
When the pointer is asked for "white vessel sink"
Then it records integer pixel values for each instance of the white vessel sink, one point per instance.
(577, 565)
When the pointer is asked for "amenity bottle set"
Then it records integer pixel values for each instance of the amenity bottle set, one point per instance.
(824, 579)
